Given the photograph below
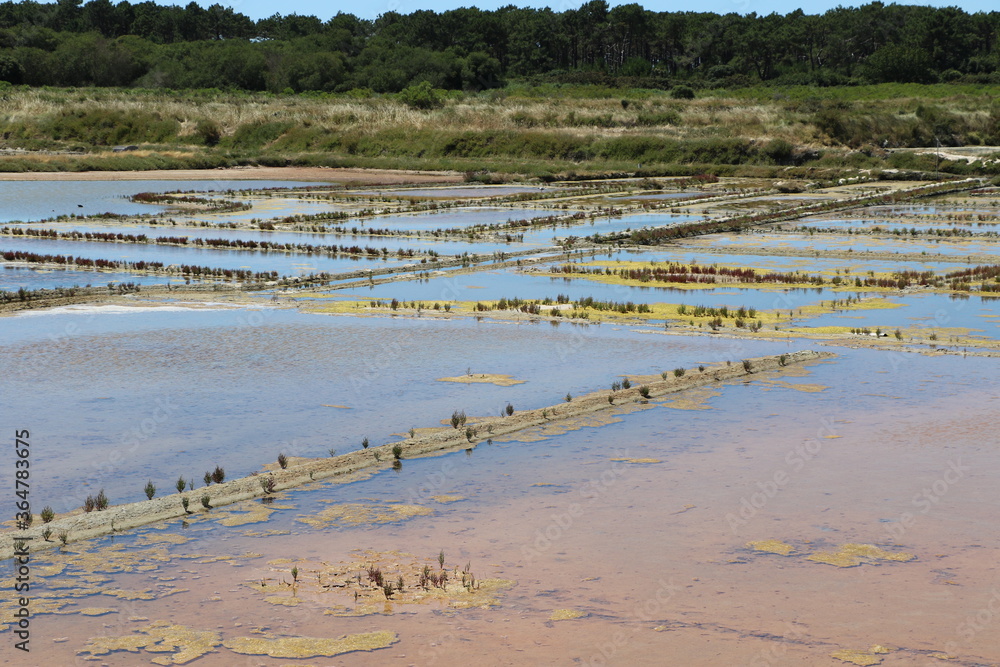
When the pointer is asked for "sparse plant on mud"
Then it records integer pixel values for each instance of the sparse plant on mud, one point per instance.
(46, 534)
(267, 484)
(746, 366)
(397, 451)
(626, 383)
(180, 485)
(282, 461)
(218, 475)
(184, 503)
(364, 443)
(569, 397)
(509, 409)
(150, 490)
(679, 372)
(644, 391)
(101, 501)
(48, 514)
(206, 502)
(458, 419)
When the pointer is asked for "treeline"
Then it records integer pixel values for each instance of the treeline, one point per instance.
(153, 46)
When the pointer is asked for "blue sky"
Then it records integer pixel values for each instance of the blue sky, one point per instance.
(258, 9)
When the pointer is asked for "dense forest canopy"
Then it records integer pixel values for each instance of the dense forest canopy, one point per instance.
(153, 46)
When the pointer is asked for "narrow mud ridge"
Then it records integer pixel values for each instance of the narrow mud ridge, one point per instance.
(81, 526)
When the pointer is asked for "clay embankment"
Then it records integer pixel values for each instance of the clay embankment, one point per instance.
(81, 526)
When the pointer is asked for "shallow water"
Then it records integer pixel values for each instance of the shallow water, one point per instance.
(852, 243)
(285, 264)
(36, 200)
(443, 247)
(14, 277)
(245, 382)
(494, 285)
(652, 556)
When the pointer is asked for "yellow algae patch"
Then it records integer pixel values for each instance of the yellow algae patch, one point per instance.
(625, 460)
(184, 643)
(166, 538)
(310, 647)
(690, 399)
(97, 611)
(356, 514)
(256, 514)
(341, 407)
(851, 555)
(447, 498)
(266, 533)
(130, 595)
(484, 378)
(566, 614)
(283, 600)
(807, 388)
(856, 657)
(772, 547)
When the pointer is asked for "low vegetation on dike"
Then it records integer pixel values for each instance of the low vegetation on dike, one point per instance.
(576, 132)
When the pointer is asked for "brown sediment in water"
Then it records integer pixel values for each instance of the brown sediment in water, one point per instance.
(484, 378)
(360, 464)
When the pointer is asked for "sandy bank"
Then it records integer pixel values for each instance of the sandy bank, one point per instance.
(80, 525)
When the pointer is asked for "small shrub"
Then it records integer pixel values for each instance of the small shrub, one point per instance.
(150, 490)
(470, 433)
(701, 368)
(644, 391)
(282, 461)
(48, 514)
(295, 574)
(218, 475)
(783, 360)
(682, 93)
(746, 366)
(64, 537)
(267, 484)
(458, 419)
(101, 501)
(626, 384)
(569, 397)
(898, 334)
(412, 432)
(679, 372)
(46, 534)
(180, 485)
(509, 409)
(397, 451)
(333, 452)
(207, 478)
(206, 502)
(364, 443)
(184, 503)
(89, 504)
